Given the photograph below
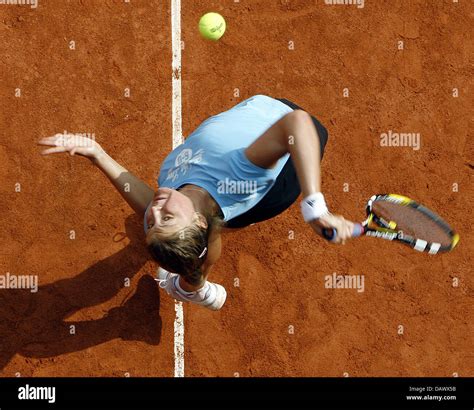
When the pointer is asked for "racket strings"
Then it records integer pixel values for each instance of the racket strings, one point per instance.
(413, 221)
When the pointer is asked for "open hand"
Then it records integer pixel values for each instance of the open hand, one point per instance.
(72, 143)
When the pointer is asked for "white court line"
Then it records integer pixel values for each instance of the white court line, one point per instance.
(177, 140)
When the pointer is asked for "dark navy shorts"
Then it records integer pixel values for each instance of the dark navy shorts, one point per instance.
(286, 189)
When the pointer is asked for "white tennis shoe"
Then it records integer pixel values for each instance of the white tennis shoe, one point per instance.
(211, 295)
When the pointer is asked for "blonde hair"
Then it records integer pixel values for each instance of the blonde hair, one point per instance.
(185, 251)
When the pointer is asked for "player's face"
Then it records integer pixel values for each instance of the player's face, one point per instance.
(169, 212)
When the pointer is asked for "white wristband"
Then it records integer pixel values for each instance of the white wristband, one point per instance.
(313, 207)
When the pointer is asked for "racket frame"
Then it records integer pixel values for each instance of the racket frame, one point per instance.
(376, 226)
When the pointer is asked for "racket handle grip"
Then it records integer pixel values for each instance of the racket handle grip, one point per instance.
(330, 233)
(359, 230)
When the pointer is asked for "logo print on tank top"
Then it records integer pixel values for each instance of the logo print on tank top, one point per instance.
(183, 162)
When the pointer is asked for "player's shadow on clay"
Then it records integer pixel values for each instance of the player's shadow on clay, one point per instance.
(35, 324)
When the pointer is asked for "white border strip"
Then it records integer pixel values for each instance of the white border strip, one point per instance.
(176, 44)
(177, 140)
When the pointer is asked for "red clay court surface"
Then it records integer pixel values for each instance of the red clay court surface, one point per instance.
(280, 320)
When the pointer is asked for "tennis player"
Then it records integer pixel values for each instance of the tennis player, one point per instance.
(239, 167)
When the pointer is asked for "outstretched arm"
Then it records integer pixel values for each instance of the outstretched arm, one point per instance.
(137, 194)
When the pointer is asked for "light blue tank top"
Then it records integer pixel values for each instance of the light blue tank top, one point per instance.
(213, 157)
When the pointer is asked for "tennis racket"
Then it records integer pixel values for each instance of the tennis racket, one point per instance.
(398, 218)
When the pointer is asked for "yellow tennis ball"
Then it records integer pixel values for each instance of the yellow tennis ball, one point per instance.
(212, 26)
